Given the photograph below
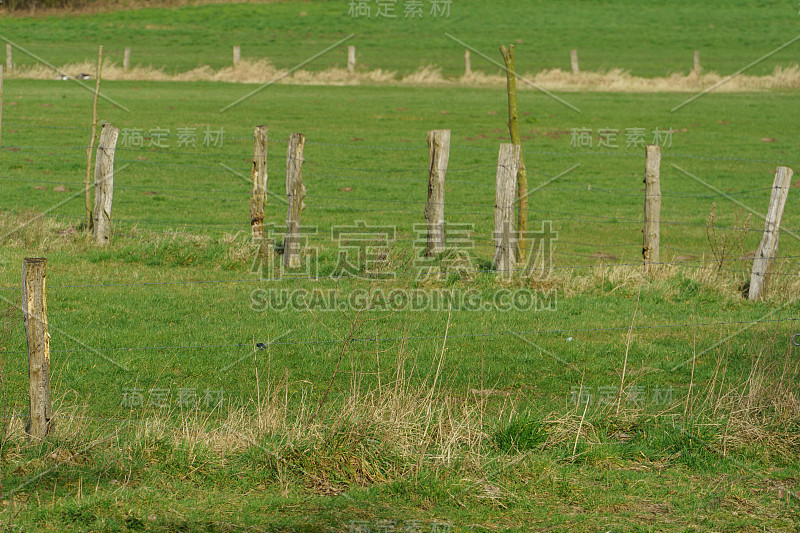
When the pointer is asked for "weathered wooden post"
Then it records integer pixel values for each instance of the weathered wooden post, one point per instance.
(504, 236)
(768, 249)
(34, 312)
(696, 69)
(296, 193)
(126, 59)
(573, 61)
(439, 154)
(9, 58)
(87, 191)
(351, 58)
(467, 63)
(259, 177)
(237, 56)
(652, 205)
(104, 183)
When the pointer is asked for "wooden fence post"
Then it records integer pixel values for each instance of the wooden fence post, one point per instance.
(296, 193)
(467, 63)
(351, 58)
(237, 56)
(522, 173)
(697, 67)
(104, 183)
(439, 154)
(652, 205)
(9, 58)
(259, 177)
(573, 60)
(86, 180)
(126, 59)
(504, 235)
(768, 248)
(34, 312)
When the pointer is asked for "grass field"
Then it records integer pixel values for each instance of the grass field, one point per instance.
(648, 40)
(434, 419)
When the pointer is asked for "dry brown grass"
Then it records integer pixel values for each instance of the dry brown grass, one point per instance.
(263, 71)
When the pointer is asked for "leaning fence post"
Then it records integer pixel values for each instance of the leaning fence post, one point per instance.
(652, 205)
(768, 248)
(439, 150)
(296, 193)
(34, 312)
(467, 63)
(351, 58)
(104, 183)
(126, 59)
(504, 234)
(573, 60)
(259, 177)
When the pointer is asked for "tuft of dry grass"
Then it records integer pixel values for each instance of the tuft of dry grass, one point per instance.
(263, 71)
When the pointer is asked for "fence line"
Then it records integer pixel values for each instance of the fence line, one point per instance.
(405, 273)
(265, 345)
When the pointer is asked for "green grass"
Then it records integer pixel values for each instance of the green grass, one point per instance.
(651, 39)
(468, 424)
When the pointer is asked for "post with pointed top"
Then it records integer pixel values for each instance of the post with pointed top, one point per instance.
(126, 59)
(259, 177)
(296, 193)
(34, 313)
(505, 244)
(573, 60)
(652, 205)
(237, 56)
(439, 153)
(351, 58)
(104, 183)
(768, 248)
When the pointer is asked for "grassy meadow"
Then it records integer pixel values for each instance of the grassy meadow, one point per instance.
(661, 401)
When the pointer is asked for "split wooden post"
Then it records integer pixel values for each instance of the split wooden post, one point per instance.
(351, 58)
(259, 178)
(104, 183)
(467, 63)
(504, 236)
(9, 58)
(697, 67)
(86, 181)
(126, 59)
(652, 205)
(237, 55)
(768, 248)
(439, 154)
(573, 60)
(296, 193)
(34, 312)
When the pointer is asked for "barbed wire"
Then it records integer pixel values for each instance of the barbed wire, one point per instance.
(264, 345)
(390, 276)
